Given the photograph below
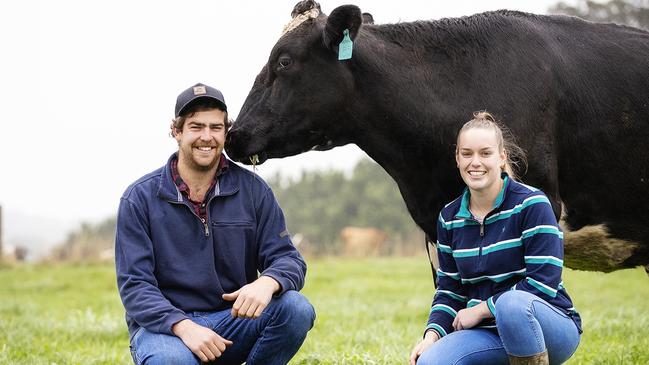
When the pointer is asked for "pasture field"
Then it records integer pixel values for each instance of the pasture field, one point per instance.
(369, 311)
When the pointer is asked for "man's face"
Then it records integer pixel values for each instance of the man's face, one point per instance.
(201, 140)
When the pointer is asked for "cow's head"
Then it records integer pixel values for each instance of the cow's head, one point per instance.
(301, 98)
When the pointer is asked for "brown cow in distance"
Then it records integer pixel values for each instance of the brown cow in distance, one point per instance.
(362, 241)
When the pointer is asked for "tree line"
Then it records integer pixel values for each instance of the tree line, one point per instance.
(319, 204)
(628, 12)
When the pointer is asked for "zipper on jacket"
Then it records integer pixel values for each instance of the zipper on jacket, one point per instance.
(203, 221)
(207, 215)
(481, 223)
(207, 228)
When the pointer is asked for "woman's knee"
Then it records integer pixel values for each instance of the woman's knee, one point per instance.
(429, 356)
(513, 304)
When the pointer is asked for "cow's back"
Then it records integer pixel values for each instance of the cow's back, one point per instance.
(576, 95)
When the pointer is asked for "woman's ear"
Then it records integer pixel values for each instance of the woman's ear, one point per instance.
(503, 158)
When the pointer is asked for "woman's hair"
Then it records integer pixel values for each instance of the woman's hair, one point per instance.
(200, 105)
(516, 157)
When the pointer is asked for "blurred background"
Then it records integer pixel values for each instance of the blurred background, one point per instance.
(88, 90)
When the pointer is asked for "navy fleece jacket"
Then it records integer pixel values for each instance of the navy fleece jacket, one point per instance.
(169, 262)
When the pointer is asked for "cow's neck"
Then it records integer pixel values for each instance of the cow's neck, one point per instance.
(400, 122)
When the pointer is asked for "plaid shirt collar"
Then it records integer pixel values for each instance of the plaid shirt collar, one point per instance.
(184, 188)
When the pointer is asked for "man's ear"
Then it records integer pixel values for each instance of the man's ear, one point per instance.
(341, 18)
(175, 132)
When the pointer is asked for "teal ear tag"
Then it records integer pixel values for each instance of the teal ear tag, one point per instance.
(345, 47)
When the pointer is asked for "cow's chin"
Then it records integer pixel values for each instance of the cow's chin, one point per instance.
(254, 158)
(255, 151)
(325, 146)
(285, 150)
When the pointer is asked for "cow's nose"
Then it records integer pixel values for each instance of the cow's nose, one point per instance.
(235, 143)
(232, 132)
(233, 137)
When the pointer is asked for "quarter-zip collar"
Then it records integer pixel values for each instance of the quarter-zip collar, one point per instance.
(466, 196)
(167, 190)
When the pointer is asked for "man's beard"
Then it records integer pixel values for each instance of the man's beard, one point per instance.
(191, 163)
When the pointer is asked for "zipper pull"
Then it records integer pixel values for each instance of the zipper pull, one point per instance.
(481, 230)
(207, 229)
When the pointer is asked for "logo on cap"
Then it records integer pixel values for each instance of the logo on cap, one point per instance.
(199, 90)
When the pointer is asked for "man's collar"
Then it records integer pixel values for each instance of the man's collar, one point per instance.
(168, 189)
(178, 180)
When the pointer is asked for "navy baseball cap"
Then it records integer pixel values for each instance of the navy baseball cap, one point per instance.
(195, 92)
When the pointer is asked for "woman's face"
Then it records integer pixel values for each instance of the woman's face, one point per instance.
(479, 159)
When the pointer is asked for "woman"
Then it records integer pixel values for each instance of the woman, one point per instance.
(500, 298)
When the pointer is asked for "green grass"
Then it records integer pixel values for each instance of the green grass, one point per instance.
(369, 311)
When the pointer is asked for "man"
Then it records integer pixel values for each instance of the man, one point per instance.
(192, 238)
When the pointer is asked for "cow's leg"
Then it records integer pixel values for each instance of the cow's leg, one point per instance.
(432, 258)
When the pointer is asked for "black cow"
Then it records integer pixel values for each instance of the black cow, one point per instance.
(575, 93)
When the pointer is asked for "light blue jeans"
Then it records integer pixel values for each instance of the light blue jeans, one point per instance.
(271, 339)
(527, 325)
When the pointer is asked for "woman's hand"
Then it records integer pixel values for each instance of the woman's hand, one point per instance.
(470, 317)
(429, 338)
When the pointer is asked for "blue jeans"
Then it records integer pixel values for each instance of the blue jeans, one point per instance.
(527, 325)
(273, 338)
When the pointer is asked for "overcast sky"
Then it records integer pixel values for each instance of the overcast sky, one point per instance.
(88, 89)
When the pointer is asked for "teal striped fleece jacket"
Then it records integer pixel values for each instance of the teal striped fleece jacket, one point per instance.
(519, 247)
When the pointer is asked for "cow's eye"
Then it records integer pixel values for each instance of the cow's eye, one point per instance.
(284, 62)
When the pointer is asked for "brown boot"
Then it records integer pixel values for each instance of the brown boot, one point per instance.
(538, 359)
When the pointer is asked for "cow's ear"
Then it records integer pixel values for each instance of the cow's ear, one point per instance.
(341, 18)
(368, 18)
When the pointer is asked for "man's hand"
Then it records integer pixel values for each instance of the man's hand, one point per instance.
(470, 317)
(253, 298)
(202, 341)
(429, 339)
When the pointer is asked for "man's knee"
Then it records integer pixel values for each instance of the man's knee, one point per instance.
(296, 308)
(169, 356)
(155, 348)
